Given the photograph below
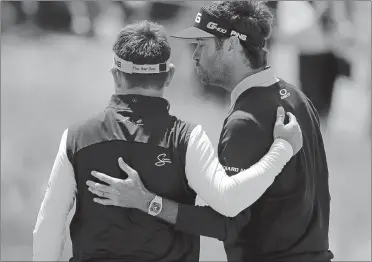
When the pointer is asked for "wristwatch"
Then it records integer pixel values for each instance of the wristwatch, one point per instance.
(155, 206)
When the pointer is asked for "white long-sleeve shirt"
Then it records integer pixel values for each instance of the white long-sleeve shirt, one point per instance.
(231, 195)
(49, 232)
(227, 195)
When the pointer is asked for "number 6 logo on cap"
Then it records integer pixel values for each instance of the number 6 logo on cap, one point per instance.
(197, 18)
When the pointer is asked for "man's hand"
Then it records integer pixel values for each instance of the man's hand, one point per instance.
(290, 132)
(130, 193)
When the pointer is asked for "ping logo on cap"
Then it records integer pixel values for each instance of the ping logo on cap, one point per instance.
(219, 27)
(239, 35)
(214, 26)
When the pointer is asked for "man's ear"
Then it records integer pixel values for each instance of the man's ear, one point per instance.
(233, 44)
(116, 76)
(172, 70)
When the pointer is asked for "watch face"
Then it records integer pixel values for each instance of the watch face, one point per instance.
(155, 207)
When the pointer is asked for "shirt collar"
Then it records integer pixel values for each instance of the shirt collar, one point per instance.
(265, 77)
(139, 104)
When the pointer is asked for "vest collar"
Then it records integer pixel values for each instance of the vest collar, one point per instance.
(140, 104)
(263, 78)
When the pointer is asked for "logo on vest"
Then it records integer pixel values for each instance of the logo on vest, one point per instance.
(162, 160)
(233, 169)
(129, 121)
(284, 93)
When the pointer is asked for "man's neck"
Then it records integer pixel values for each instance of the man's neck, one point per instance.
(141, 91)
(241, 75)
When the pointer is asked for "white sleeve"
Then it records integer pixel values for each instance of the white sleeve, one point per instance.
(231, 195)
(49, 232)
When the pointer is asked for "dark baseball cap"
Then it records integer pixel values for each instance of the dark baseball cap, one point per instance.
(208, 25)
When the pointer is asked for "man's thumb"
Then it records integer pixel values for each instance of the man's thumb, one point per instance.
(127, 169)
(280, 115)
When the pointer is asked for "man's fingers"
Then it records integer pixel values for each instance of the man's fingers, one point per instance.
(106, 202)
(292, 118)
(292, 121)
(102, 188)
(98, 193)
(127, 169)
(105, 178)
(280, 115)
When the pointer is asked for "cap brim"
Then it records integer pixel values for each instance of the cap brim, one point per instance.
(192, 33)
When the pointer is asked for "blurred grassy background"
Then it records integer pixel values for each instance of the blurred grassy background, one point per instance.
(49, 81)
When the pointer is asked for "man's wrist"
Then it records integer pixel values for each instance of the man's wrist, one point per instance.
(147, 197)
(285, 144)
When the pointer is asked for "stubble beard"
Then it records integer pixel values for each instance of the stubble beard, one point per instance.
(218, 74)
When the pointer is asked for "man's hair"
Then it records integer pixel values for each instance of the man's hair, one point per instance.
(246, 14)
(143, 43)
